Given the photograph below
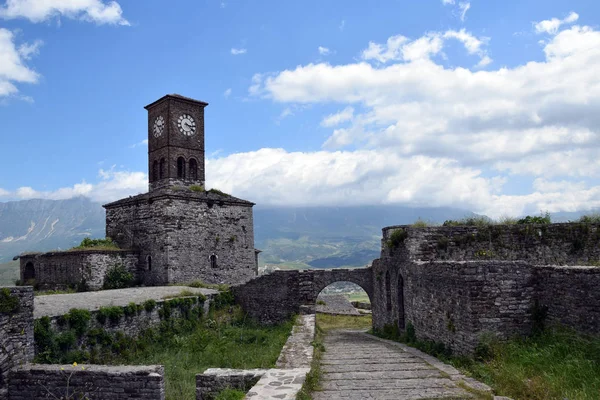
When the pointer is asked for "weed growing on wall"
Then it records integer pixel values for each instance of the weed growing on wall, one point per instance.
(396, 238)
(99, 244)
(118, 277)
(8, 303)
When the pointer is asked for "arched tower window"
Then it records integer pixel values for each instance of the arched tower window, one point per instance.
(213, 261)
(149, 263)
(29, 272)
(388, 291)
(155, 170)
(161, 169)
(181, 168)
(193, 169)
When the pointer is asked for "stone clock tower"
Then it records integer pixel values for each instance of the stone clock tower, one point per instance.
(175, 142)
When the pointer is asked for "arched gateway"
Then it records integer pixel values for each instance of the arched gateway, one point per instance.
(275, 297)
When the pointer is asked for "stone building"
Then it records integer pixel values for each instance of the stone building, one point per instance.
(177, 232)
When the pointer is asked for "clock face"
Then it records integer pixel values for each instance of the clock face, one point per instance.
(186, 124)
(159, 125)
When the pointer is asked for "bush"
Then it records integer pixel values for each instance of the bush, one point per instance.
(593, 218)
(149, 305)
(117, 277)
(8, 303)
(78, 320)
(396, 238)
(540, 219)
(88, 243)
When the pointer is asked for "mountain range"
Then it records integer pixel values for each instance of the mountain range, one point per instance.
(299, 237)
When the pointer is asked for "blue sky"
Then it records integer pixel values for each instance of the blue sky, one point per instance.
(485, 105)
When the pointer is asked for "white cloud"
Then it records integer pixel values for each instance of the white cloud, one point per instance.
(337, 118)
(463, 7)
(12, 63)
(551, 26)
(538, 119)
(42, 10)
(4, 193)
(399, 47)
(236, 52)
(447, 2)
(323, 51)
(227, 93)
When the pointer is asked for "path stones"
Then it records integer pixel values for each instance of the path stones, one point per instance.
(358, 366)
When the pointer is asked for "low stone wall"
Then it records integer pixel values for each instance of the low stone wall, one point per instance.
(571, 295)
(16, 331)
(550, 244)
(34, 381)
(214, 380)
(89, 328)
(84, 269)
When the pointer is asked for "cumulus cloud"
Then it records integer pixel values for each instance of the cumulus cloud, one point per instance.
(401, 48)
(538, 120)
(96, 11)
(324, 51)
(227, 93)
(237, 52)
(552, 26)
(12, 63)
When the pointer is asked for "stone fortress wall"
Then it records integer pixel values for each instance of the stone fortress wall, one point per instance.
(85, 269)
(457, 284)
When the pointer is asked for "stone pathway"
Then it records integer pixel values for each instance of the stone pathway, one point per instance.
(359, 366)
(60, 304)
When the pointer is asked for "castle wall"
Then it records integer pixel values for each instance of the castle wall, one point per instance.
(16, 331)
(181, 233)
(552, 244)
(35, 381)
(454, 290)
(86, 268)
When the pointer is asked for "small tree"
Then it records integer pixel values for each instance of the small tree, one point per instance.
(118, 277)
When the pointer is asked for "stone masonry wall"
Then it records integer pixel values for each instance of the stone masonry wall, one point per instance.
(56, 270)
(572, 296)
(552, 244)
(34, 381)
(181, 231)
(132, 321)
(274, 297)
(16, 331)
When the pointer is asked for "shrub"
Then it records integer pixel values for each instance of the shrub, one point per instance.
(396, 238)
(78, 320)
(88, 243)
(8, 303)
(149, 305)
(593, 218)
(540, 219)
(117, 277)
(112, 313)
(420, 223)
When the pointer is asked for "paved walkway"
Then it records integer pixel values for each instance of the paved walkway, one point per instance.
(60, 304)
(359, 366)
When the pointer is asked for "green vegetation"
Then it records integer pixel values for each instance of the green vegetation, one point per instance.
(217, 191)
(186, 346)
(8, 303)
(327, 322)
(197, 188)
(593, 218)
(311, 383)
(396, 238)
(96, 244)
(199, 284)
(183, 293)
(51, 292)
(553, 364)
(420, 223)
(230, 394)
(540, 219)
(543, 218)
(118, 277)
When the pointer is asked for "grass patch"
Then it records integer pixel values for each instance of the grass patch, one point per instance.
(556, 364)
(230, 394)
(313, 378)
(96, 244)
(327, 322)
(222, 287)
(50, 292)
(222, 340)
(197, 188)
(183, 293)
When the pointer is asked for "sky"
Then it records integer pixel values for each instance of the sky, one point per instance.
(488, 106)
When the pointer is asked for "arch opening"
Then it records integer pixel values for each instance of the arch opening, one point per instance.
(213, 261)
(29, 272)
(400, 289)
(161, 169)
(193, 169)
(155, 170)
(149, 263)
(345, 299)
(181, 168)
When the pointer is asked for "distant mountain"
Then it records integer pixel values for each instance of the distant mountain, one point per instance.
(40, 225)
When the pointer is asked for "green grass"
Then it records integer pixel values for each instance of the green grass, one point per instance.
(557, 364)
(358, 296)
(226, 340)
(50, 292)
(327, 322)
(230, 394)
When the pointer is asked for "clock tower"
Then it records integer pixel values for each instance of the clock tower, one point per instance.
(175, 142)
